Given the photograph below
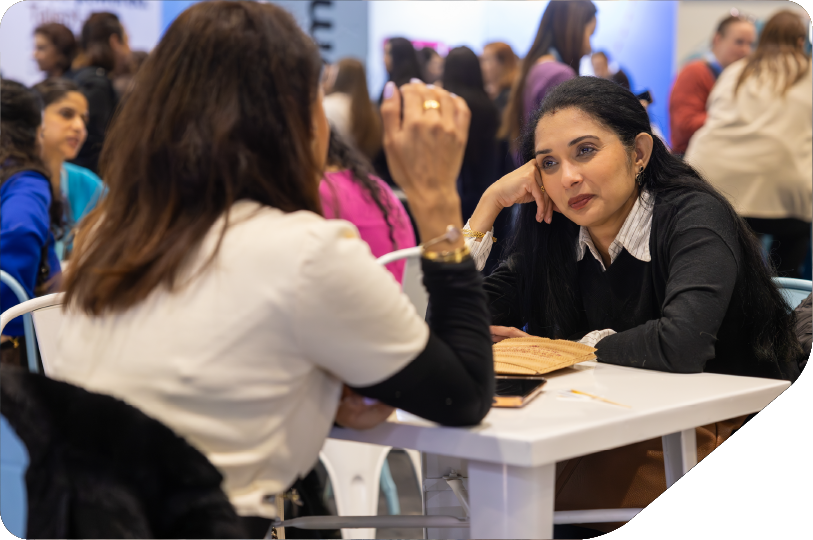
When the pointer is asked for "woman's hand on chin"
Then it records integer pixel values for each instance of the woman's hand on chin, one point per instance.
(499, 333)
(517, 187)
(524, 185)
(357, 413)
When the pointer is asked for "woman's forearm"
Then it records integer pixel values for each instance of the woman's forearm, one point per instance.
(433, 214)
(484, 216)
(452, 380)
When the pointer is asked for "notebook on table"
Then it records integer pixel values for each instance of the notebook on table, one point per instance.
(537, 355)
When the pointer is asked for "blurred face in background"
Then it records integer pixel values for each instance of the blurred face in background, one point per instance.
(45, 53)
(388, 57)
(736, 42)
(121, 51)
(492, 69)
(589, 30)
(434, 69)
(63, 126)
(600, 67)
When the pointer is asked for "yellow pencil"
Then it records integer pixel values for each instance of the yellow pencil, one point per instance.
(599, 398)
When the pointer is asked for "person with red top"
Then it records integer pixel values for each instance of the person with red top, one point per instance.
(733, 40)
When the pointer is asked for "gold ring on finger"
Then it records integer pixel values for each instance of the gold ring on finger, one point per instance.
(431, 104)
(541, 187)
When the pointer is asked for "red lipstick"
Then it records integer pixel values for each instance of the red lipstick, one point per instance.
(580, 201)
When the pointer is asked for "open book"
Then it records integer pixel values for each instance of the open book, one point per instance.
(537, 355)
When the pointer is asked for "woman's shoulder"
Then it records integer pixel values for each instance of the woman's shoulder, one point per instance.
(81, 174)
(551, 70)
(691, 209)
(27, 182)
(253, 220)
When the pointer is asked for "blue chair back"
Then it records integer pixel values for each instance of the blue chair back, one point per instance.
(13, 464)
(794, 290)
(28, 324)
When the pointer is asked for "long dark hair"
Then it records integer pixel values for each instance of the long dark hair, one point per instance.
(463, 76)
(405, 64)
(366, 122)
(779, 53)
(342, 154)
(562, 27)
(205, 129)
(20, 118)
(549, 252)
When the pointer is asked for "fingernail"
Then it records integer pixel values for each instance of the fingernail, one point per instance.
(452, 94)
(369, 401)
(430, 85)
(414, 80)
(389, 88)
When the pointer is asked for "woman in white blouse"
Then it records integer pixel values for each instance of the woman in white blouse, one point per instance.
(756, 146)
(208, 291)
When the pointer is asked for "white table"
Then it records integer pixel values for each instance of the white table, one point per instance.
(511, 456)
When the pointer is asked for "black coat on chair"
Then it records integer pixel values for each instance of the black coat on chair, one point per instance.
(99, 468)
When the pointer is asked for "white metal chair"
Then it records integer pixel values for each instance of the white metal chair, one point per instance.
(46, 316)
(412, 284)
(28, 328)
(794, 290)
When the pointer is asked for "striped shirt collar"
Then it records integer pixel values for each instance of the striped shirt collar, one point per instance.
(633, 236)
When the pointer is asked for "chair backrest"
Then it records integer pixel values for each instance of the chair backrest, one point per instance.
(28, 328)
(47, 322)
(412, 283)
(47, 318)
(794, 290)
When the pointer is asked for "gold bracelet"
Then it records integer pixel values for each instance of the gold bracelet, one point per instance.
(458, 255)
(475, 234)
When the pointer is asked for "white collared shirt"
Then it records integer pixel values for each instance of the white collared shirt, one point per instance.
(633, 236)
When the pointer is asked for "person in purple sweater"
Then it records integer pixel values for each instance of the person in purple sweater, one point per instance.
(562, 40)
(350, 191)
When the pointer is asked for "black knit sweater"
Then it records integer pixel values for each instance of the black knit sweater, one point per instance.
(681, 312)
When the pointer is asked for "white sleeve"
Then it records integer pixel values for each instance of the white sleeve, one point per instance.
(480, 250)
(595, 336)
(351, 318)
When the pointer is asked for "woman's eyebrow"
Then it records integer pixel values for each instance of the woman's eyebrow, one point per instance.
(577, 140)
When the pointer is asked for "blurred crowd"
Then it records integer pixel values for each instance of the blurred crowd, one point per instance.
(742, 115)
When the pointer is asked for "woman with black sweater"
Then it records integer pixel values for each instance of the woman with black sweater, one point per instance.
(626, 248)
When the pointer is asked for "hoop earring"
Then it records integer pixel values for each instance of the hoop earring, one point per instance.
(640, 176)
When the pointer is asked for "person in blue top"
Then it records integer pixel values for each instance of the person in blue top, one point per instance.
(28, 209)
(64, 132)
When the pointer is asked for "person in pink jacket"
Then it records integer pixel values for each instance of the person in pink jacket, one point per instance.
(350, 191)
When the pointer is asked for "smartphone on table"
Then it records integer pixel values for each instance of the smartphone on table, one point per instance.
(516, 391)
